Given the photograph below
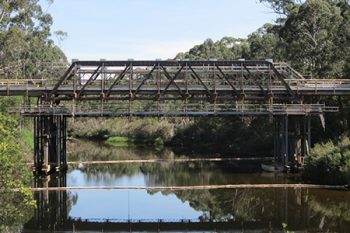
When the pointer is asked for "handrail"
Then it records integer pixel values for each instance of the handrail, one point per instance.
(215, 108)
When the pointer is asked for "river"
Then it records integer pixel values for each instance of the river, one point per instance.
(213, 210)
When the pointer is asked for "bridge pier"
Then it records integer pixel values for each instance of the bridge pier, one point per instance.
(50, 144)
(292, 135)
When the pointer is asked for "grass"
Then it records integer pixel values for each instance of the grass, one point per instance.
(27, 138)
(119, 141)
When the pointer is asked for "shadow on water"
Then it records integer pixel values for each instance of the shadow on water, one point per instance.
(261, 210)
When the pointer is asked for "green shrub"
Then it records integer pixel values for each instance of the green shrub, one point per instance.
(329, 163)
(140, 130)
(27, 137)
(15, 207)
(119, 141)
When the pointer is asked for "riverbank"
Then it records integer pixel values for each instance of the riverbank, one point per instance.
(244, 137)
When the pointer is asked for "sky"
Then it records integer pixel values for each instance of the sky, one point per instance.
(150, 29)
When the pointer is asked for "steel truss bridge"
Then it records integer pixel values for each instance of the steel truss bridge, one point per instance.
(174, 88)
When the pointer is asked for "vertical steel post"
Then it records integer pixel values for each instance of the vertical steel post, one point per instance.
(275, 138)
(45, 145)
(130, 88)
(36, 143)
(58, 140)
(286, 155)
(279, 143)
(103, 72)
(308, 134)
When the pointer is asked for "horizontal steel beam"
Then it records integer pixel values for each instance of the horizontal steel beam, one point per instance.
(227, 109)
(171, 63)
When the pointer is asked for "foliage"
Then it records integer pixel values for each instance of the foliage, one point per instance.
(119, 141)
(7, 102)
(28, 138)
(25, 51)
(285, 228)
(329, 163)
(14, 206)
(228, 48)
(25, 44)
(81, 150)
(284, 7)
(266, 43)
(312, 36)
(232, 135)
(140, 130)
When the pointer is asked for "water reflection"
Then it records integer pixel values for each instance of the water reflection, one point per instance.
(166, 174)
(52, 210)
(263, 210)
(259, 209)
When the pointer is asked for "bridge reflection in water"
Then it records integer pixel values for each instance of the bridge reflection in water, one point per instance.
(243, 210)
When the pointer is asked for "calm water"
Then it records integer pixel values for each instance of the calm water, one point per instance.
(230, 210)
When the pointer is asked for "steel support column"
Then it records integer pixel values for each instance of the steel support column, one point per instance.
(50, 140)
(291, 139)
(286, 141)
(280, 138)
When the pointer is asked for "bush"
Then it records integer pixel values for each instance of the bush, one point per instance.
(329, 163)
(15, 207)
(139, 130)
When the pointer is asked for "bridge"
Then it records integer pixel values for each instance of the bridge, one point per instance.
(174, 88)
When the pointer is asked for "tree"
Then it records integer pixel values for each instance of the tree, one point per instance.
(25, 45)
(15, 206)
(25, 49)
(314, 35)
(283, 7)
(311, 35)
(228, 48)
(266, 43)
(344, 35)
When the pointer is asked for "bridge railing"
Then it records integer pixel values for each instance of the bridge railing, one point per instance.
(41, 110)
(19, 82)
(182, 83)
(127, 109)
(288, 71)
(318, 81)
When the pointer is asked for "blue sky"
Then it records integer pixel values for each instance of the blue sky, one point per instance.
(150, 29)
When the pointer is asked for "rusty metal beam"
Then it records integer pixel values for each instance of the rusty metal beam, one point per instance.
(200, 80)
(65, 76)
(282, 78)
(254, 81)
(120, 77)
(172, 79)
(148, 76)
(227, 80)
(92, 78)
